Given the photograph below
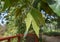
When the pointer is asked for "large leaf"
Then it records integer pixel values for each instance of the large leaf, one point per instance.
(37, 16)
(56, 7)
(35, 27)
(37, 20)
(28, 20)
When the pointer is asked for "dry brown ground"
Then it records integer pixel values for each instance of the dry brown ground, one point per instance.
(51, 38)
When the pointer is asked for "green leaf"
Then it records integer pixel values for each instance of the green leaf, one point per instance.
(35, 27)
(28, 20)
(55, 9)
(37, 16)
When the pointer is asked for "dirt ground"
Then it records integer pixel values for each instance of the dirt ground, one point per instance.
(51, 38)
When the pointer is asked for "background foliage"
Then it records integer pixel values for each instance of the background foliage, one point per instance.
(27, 13)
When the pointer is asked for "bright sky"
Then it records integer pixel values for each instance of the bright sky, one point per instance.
(2, 19)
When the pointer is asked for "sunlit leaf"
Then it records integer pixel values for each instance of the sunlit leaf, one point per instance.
(28, 20)
(35, 27)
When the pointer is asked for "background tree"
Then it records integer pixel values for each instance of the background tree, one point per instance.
(29, 12)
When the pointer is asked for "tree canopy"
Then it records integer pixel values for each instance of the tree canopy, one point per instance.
(29, 11)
